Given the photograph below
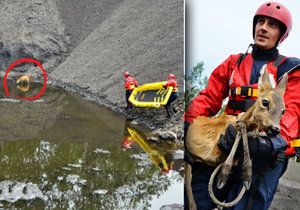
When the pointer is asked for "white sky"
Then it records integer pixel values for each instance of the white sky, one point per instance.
(215, 29)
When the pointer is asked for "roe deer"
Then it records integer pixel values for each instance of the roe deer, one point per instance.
(23, 83)
(264, 115)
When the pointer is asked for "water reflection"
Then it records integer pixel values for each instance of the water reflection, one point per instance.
(163, 159)
(72, 158)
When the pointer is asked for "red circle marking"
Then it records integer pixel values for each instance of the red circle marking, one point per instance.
(26, 60)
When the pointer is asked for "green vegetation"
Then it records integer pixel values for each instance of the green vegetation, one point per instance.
(195, 82)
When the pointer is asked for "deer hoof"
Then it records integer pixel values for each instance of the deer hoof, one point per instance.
(220, 183)
(247, 184)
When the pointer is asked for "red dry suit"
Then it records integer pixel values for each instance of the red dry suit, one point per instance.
(130, 83)
(228, 75)
(173, 83)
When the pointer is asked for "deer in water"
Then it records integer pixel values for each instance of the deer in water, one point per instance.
(23, 83)
(263, 116)
(24, 80)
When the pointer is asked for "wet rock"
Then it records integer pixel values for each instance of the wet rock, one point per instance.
(75, 179)
(166, 135)
(153, 139)
(152, 128)
(14, 191)
(134, 122)
(66, 168)
(60, 178)
(98, 150)
(178, 154)
(74, 165)
(172, 207)
(100, 192)
(96, 169)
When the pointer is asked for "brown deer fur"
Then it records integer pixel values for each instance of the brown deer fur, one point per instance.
(203, 136)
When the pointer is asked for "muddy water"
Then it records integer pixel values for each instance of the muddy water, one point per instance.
(64, 152)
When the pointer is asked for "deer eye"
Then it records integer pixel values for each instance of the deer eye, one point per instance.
(265, 103)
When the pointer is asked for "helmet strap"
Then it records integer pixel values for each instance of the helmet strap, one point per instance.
(250, 45)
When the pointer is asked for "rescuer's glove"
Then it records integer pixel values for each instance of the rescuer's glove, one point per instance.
(259, 147)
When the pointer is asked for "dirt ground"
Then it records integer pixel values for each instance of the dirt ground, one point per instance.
(287, 196)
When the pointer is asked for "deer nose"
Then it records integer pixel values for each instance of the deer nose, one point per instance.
(273, 131)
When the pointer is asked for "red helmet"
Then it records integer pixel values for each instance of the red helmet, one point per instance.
(126, 74)
(278, 12)
(171, 76)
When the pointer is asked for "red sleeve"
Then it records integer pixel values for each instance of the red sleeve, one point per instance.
(209, 100)
(172, 83)
(290, 121)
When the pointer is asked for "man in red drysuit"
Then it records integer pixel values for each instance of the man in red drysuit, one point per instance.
(237, 77)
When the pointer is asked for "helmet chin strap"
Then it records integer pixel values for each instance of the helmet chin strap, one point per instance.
(250, 45)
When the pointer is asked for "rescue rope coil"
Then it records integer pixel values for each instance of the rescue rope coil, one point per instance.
(214, 198)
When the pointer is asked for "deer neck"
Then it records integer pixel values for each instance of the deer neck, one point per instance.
(248, 119)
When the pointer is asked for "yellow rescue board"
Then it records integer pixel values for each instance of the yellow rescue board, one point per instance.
(151, 95)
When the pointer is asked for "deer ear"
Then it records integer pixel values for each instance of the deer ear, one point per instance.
(282, 84)
(264, 84)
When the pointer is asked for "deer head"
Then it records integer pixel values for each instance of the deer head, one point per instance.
(269, 107)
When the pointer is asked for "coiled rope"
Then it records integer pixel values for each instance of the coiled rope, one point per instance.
(241, 133)
(212, 195)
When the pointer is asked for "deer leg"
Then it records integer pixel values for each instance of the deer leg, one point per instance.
(247, 164)
(223, 176)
